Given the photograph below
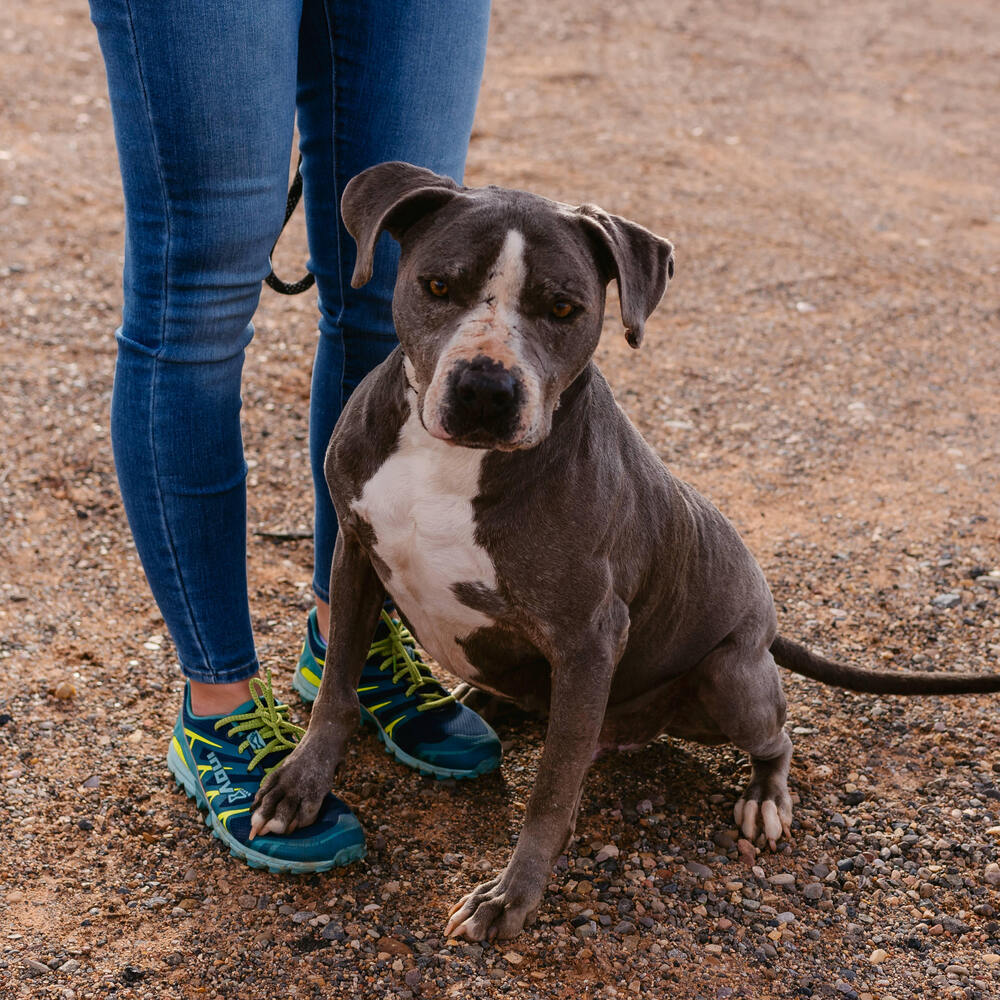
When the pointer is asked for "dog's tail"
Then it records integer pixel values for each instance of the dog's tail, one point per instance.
(800, 660)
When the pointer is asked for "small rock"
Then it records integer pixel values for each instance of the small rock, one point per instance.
(782, 879)
(36, 966)
(725, 839)
(698, 869)
(513, 957)
(949, 600)
(813, 891)
(412, 977)
(92, 782)
(878, 956)
(64, 690)
(644, 808)
(607, 852)
(302, 916)
(713, 949)
(71, 966)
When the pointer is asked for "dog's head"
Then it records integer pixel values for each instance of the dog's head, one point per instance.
(500, 295)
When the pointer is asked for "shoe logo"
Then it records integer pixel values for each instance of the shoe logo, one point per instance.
(232, 792)
(256, 740)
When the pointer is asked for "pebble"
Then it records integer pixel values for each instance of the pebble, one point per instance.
(748, 853)
(607, 852)
(878, 956)
(813, 891)
(949, 600)
(782, 879)
(698, 869)
(64, 690)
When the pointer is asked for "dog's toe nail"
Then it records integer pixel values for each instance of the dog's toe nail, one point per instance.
(738, 811)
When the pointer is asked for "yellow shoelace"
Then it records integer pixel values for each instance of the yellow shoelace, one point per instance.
(397, 650)
(268, 718)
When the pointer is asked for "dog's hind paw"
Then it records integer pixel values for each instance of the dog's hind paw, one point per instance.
(494, 909)
(766, 813)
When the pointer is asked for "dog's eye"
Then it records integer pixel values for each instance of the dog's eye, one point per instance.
(437, 287)
(562, 309)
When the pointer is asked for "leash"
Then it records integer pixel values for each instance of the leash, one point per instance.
(290, 287)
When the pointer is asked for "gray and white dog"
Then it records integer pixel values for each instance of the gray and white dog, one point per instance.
(484, 476)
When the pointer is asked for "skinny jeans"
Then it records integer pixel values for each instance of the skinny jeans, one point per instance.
(204, 98)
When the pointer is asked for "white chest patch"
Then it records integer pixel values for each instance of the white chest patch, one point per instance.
(419, 505)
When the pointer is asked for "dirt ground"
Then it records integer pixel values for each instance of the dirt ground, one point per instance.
(825, 368)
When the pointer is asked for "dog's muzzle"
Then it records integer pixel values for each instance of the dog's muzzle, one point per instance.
(483, 402)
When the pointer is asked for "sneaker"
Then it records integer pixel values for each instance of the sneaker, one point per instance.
(221, 761)
(420, 724)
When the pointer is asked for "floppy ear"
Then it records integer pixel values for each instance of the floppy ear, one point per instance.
(641, 263)
(390, 196)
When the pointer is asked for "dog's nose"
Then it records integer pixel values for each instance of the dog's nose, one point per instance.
(486, 397)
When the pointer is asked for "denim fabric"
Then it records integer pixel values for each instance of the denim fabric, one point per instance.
(204, 99)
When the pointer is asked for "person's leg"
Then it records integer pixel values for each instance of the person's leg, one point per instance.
(378, 80)
(203, 100)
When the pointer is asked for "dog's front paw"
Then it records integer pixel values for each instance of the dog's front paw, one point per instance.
(495, 909)
(291, 795)
(765, 808)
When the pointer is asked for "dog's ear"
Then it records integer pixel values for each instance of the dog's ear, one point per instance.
(390, 196)
(641, 262)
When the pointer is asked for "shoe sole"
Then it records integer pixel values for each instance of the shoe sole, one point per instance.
(308, 691)
(187, 783)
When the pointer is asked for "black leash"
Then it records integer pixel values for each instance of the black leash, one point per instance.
(292, 287)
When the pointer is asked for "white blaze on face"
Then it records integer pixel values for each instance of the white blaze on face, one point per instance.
(491, 329)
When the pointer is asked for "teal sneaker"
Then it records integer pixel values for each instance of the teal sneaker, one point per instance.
(420, 724)
(221, 761)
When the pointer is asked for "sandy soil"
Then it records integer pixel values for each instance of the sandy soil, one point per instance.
(825, 368)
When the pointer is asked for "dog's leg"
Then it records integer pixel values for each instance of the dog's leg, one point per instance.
(581, 681)
(740, 689)
(290, 797)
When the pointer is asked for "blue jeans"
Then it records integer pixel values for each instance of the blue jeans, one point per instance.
(204, 98)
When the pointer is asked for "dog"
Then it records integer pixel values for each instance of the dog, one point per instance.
(486, 479)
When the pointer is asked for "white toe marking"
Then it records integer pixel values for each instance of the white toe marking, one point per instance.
(772, 824)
